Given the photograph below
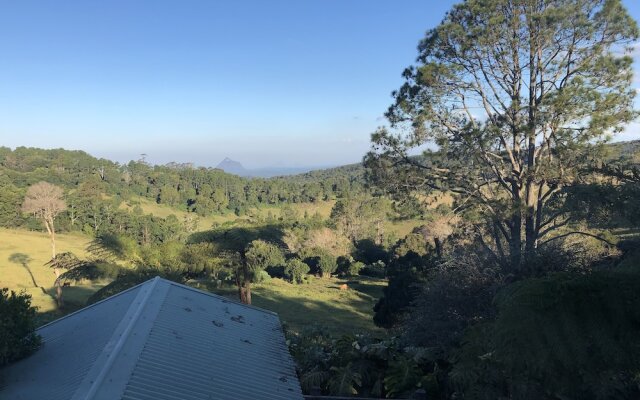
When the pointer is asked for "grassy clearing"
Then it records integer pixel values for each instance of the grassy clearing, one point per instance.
(402, 228)
(322, 207)
(163, 211)
(399, 228)
(318, 302)
(16, 275)
(205, 223)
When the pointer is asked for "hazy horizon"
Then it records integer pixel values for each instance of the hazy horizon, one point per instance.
(268, 84)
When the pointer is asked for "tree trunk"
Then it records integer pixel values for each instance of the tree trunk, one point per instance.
(379, 232)
(59, 298)
(56, 271)
(243, 282)
(530, 235)
(245, 292)
(438, 244)
(498, 240)
(530, 228)
(53, 242)
(72, 215)
(48, 223)
(515, 228)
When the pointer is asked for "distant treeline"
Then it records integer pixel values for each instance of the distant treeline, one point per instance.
(95, 187)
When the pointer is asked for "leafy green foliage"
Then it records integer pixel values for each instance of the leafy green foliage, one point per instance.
(296, 270)
(111, 246)
(358, 365)
(201, 191)
(344, 380)
(376, 270)
(411, 258)
(563, 336)
(354, 268)
(200, 259)
(327, 264)
(610, 199)
(368, 252)
(10, 202)
(361, 217)
(455, 295)
(17, 326)
(260, 255)
(236, 238)
(92, 270)
(402, 376)
(518, 96)
(65, 261)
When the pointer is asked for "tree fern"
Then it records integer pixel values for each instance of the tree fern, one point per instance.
(344, 381)
(402, 377)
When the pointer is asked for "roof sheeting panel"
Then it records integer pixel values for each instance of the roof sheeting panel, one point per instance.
(167, 341)
(234, 352)
(70, 347)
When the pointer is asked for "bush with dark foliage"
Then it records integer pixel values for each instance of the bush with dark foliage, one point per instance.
(565, 336)
(17, 326)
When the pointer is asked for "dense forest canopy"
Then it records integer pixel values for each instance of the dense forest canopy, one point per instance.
(97, 186)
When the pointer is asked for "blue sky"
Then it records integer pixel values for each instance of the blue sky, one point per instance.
(268, 83)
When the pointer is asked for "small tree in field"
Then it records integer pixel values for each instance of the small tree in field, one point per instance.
(327, 264)
(257, 256)
(295, 270)
(45, 201)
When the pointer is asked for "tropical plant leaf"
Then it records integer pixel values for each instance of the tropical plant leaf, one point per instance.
(402, 376)
(344, 381)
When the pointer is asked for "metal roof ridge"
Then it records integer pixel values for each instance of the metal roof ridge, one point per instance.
(96, 375)
(169, 282)
(226, 299)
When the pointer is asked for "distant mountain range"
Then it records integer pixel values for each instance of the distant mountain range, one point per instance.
(236, 168)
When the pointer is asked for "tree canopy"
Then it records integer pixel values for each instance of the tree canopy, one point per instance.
(513, 92)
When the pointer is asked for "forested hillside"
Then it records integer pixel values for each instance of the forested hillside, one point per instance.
(138, 220)
(407, 259)
(200, 190)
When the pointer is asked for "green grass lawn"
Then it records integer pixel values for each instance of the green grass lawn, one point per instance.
(399, 228)
(402, 228)
(163, 211)
(16, 275)
(204, 223)
(322, 207)
(318, 302)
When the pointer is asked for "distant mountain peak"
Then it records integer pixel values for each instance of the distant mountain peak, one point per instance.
(236, 168)
(232, 167)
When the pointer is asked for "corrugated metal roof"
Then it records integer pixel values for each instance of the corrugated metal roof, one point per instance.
(159, 340)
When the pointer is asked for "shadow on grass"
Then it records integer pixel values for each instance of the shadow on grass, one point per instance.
(350, 314)
(346, 312)
(75, 298)
(369, 286)
(24, 260)
(366, 288)
(237, 238)
(299, 312)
